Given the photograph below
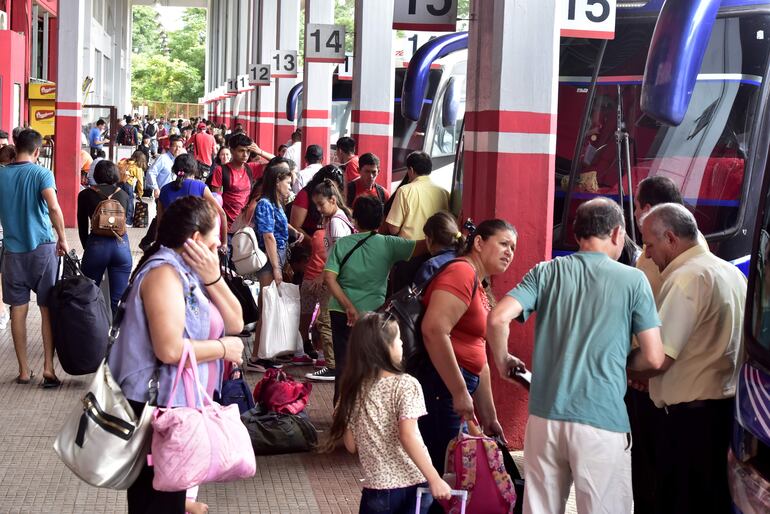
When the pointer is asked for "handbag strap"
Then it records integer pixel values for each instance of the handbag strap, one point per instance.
(188, 354)
(356, 247)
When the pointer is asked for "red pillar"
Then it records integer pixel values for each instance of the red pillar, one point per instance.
(372, 114)
(317, 90)
(510, 141)
(53, 49)
(288, 39)
(265, 36)
(68, 109)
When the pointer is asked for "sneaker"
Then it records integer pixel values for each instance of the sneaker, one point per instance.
(261, 365)
(5, 317)
(301, 360)
(322, 375)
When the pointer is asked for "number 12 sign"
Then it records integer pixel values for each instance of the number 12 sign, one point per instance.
(434, 15)
(324, 43)
(592, 19)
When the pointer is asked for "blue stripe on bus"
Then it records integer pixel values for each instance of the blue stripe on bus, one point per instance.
(639, 82)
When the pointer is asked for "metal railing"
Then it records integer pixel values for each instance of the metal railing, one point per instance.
(168, 109)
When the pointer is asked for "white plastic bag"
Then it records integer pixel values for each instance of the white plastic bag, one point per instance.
(280, 320)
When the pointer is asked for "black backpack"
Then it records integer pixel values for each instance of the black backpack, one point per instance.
(407, 309)
(151, 130)
(352, 192)
(226, 172)
(127, 135)
(80, 320)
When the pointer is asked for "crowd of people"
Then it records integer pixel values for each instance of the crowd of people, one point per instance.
(667, 320)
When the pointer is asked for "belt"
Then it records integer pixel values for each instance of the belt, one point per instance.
(695, 404)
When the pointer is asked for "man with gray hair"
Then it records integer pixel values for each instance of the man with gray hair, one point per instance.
(700, 303)
(588, 306)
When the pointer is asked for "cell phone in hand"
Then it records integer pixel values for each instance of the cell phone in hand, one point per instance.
(521, 375)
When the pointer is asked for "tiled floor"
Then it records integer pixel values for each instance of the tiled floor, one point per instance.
(33, 480)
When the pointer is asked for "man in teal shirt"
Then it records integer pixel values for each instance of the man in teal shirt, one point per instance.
(29, 210)
(588, 306)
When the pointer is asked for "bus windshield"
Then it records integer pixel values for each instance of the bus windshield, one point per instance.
(409, 135)
(706, 155)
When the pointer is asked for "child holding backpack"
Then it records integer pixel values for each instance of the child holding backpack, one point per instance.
(377, 416)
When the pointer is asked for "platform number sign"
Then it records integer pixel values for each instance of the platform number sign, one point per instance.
(243, 83)
(259, 74)
(592, 19)
(324, 43)
(284, 64)
(434, 15)
(345, 69)
(232, 86)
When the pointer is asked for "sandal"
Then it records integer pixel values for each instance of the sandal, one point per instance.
(50, 383)
(24, 381)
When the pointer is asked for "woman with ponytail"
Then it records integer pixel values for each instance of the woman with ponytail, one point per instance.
(444, 241)
(177, 295)
(184, 169)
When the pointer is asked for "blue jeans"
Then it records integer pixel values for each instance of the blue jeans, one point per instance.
(442, 424)
(393, 501)
(107, 253)
(130, 192)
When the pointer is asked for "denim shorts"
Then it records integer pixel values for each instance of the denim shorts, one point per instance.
(386, 501)
(31, 271)
(267, 269)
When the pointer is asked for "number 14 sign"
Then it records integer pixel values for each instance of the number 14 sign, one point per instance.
(591, 19)
(324, 43)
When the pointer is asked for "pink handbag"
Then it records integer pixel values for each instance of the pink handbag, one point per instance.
(193, 446)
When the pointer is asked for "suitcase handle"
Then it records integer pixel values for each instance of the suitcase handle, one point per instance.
(455, 492)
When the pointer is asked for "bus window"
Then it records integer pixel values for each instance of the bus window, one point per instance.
(408, 135)
(705, 155)
(446, 133)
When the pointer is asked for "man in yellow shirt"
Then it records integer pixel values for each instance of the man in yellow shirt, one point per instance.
(417, 201)
(412, 205)
(701, 304)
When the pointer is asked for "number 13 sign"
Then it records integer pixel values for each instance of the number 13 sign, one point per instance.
(434, 15)
(592, 19)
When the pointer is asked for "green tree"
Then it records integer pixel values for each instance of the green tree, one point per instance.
(160, 78)
(146, 31)
(168, 67)
(189, 44)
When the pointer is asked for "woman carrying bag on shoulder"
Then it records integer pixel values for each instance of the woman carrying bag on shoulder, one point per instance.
(177, 295)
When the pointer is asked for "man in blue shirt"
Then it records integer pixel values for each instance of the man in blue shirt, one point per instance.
(95, 138)
(588, 305)
(28, 211)
(160, 172)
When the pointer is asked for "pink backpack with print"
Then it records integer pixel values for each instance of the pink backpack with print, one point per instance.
(474, 463)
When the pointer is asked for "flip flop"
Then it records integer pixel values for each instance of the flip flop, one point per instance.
(50, 383)
(23, 381)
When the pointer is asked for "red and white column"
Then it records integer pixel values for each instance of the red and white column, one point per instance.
(288, 39)
(317, 85)
(67, 161)
(372, 114)
(510, 146)
(264, 108)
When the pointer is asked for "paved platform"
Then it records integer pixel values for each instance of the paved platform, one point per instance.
(33, 480)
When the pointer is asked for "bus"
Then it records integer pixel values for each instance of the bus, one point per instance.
(444, 76)
(606, 143)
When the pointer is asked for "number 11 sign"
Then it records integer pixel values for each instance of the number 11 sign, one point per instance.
(324, 43)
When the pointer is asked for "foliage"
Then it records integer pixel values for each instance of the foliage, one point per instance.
(159, 77)
(146, 30)
(168, 67)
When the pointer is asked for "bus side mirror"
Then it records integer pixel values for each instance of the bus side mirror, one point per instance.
(676, 53)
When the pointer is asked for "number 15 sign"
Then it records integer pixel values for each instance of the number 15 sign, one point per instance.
(433, 15)
(592, 19)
